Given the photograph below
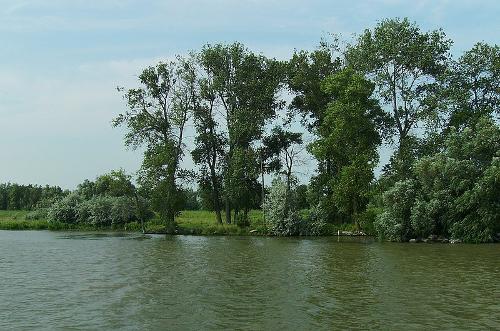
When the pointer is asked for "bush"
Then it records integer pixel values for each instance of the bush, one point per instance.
(315, 222)
(394, 223)
(368, 217)
(38, 214)
(453, 192)
(282, 221)
(65, 210)
(104, 211)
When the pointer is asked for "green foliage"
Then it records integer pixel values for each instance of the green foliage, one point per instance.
(347, 143)
(38, 214)
(282, 221)
(243, 88)
(283, 217)
(190, 198)
(404, 63)
(454, 193)
(394, 222)
(470, 87)
(156, 117)
(300, 193)
(27, 197)
(305, 73)
(65, 210)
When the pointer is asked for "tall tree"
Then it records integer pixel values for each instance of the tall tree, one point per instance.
(244, 87)
(404, 63)
(349, 137)
(156, 118)
(210, 141)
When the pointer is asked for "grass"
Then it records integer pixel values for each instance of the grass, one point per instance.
(196, 222)
(202, 222)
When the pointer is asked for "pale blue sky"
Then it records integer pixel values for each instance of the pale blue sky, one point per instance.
(60, 62)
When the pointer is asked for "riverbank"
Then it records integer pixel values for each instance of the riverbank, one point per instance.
(189, 222)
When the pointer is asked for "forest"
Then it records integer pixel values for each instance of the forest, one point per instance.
(393, 85)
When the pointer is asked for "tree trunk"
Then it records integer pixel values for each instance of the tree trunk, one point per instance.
(355, 215)
(236, 214)
(216, 194)
(263, 197)
(228, 210)
(139, 212)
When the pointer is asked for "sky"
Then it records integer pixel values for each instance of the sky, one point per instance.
(61, 61)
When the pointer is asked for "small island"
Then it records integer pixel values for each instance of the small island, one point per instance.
(224, 106)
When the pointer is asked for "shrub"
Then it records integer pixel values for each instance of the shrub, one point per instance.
(65, 210)
(38, 214)
(315, 222)
(394, 223)
(282, 221)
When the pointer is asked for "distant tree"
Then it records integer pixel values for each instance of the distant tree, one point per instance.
(191, 199)
(27, 197)
(301, 197)
(156, 119)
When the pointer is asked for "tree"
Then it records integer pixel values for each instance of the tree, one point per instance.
(243, 86)
(305, 72)
(281, 150)
(210, 142)
(453, 193)
(156, 118)
(472, 86)
(404, 63)
(116, 184)
(349, 137)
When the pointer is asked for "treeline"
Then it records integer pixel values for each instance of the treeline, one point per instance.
(394, 84)
(27, 197)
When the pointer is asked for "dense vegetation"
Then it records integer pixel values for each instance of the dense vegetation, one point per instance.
(394, 84)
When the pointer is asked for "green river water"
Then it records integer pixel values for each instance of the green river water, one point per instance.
(98, 281)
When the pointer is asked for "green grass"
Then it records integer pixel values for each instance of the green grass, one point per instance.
(202, 222)
(12, 215)
(197, 222)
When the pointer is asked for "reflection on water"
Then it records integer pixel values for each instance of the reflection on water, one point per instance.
(102, 235)
(105, 281)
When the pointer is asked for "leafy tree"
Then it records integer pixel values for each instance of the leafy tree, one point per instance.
(191, 199)
(244, 87)
(156, 119)
(301, 197)
(404, 63)
(348, 136)
(280, 149)
(453, 193)
(210, 142)
(28, 197)
(116, 184)
(305, 72)
(472, 86)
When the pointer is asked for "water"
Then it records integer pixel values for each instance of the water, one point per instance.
(75, 281)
